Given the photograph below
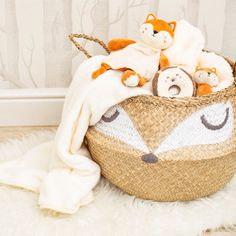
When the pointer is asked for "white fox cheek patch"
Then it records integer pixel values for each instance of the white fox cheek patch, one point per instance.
(210, 125)
(117, 124)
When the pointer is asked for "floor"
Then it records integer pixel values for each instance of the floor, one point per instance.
(19, 132)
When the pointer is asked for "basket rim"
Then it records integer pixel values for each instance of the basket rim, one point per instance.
(187, 101)
(194, 101)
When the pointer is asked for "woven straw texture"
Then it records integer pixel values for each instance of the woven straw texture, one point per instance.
(194, 141)
(73, 38)
(188, 167)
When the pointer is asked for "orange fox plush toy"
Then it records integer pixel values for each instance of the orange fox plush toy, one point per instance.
(206, 79)
(139, 61)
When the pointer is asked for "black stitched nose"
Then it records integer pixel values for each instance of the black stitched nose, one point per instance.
(173, 79)
(149, 158)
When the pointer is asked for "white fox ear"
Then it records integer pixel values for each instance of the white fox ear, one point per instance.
(209, 125)
(151, 16)
(117, 124)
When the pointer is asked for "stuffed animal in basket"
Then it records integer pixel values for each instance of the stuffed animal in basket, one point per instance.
(206, 78)
(212, 74)
(140, 60)
(173, 81)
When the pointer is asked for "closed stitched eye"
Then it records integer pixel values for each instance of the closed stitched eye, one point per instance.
(112, 117)
(215, 127)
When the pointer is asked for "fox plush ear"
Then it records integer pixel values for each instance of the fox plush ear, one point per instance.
(198, 68)
(213, 70)
(151, 16)
(172, 25)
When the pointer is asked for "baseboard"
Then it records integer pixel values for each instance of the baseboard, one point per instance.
(31, 107)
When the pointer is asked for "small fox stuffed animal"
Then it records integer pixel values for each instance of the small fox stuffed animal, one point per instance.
(206, 78)
(139, 61)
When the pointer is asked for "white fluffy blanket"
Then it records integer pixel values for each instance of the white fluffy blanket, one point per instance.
(61, 170)
(112, 212)
(224, 71)
(146, 59)
(186, 47)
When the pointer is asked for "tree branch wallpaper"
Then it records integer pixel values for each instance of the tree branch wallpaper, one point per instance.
(35, 51)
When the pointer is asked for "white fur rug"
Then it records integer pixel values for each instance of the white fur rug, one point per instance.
(113, 212)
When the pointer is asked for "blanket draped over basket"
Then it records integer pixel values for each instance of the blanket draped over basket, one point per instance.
(63, 174)
(193, 141)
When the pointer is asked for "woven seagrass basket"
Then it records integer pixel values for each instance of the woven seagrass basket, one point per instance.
(168, 149)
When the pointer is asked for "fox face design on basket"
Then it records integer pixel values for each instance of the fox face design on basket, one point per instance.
(209, 125)
(150, 147)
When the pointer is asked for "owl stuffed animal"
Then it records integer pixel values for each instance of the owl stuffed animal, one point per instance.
(140, 60)
(173, 81)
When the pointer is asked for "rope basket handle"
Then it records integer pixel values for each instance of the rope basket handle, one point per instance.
(101, 43)
(234, 71)
(90, 38)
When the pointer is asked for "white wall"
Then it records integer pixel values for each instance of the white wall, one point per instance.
(35, 51)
